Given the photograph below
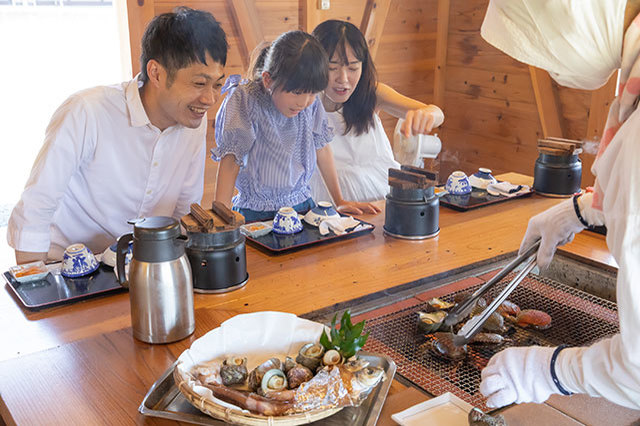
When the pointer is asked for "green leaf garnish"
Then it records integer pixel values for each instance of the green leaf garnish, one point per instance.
(347, 339)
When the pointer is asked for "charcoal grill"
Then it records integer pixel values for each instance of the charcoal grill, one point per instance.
(578, 318)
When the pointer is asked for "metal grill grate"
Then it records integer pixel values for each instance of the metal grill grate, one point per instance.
(578, 318)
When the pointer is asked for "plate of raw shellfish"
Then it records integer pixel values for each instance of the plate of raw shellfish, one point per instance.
(269, 368)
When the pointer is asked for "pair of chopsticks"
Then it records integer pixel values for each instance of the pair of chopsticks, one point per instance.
(461, 311)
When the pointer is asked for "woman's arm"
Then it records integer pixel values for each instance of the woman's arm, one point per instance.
(328, 171)
(419, 117)
(226, 179)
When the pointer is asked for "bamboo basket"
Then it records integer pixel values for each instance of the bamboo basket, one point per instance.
(239, 417)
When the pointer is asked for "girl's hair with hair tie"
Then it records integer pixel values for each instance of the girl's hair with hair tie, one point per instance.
(295, 61)
(335, 36)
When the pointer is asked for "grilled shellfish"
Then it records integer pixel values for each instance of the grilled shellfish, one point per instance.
(233, 371)
(430, 322)
(533, 318)
(310, 355)
(442, 346)
(256, 375)
(273, 380)
(298, 375)
(289, 363)
(331, 357)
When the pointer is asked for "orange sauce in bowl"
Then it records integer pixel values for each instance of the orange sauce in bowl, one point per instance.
(29, 271)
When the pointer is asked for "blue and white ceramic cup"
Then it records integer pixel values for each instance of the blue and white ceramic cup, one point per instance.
(458, 184)
(78, 261)
(482, 178)
(324, 210)
(287, 221)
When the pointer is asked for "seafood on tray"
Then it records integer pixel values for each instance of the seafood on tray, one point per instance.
(325, 374)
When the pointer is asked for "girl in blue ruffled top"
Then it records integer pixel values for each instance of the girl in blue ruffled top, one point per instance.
(272, 130)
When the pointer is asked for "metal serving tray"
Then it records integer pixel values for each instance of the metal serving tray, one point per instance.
(165, 400)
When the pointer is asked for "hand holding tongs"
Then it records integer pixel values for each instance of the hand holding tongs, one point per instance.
(462, 310)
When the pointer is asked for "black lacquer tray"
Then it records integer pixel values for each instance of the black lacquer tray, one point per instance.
(477, 198)
(309, 236)
(54, 289)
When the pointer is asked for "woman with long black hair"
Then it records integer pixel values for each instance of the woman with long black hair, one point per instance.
(361, 149)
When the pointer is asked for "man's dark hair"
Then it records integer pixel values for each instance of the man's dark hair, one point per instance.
(335, 36)
(180, 38)
(295, 61)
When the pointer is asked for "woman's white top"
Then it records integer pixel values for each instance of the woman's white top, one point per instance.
(362, 162)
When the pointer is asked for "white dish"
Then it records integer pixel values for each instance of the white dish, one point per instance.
(256, 229)
(445, 410)
(29, 271)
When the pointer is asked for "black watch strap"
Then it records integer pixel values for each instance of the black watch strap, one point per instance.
(576, 207)
(554, 376)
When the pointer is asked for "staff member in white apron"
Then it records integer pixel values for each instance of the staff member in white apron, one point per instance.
(581, 43)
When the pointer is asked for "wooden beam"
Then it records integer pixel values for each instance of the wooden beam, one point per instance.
(139, 13)
(547, 103)
(373, 19)
(246, 18)
(309, 15)
(441, 52)
(599, 109)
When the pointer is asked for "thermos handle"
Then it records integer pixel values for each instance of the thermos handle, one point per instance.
(181, 240)
(121, 253)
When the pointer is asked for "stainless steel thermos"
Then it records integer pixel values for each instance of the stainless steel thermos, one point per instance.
(159, 280)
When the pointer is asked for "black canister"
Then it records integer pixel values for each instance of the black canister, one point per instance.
(557, 175)
(412, 213)
(218, 261)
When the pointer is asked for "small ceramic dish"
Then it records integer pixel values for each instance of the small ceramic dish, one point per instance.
(286, 221)
(445, 410)
(458, 183)
(29, 271)
(256, 229)
(324, 210)
(77, 261)
(482, 178)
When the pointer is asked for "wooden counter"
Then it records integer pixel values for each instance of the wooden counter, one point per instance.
(84, 358)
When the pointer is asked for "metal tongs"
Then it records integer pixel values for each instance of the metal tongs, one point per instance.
(461, 311)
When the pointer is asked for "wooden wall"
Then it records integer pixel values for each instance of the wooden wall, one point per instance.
(492, 116)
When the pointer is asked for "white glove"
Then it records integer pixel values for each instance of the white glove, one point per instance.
(555, 226)
(518, 375)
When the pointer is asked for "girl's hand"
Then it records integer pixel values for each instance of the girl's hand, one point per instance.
(354, 207)
(422, 120)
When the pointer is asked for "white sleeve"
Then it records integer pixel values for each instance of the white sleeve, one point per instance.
(66, 145)
(610, 368)
(193, 186)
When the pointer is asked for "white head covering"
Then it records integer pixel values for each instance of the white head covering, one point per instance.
(579, 42)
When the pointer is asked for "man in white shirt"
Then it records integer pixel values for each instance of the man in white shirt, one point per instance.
(137, 149)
